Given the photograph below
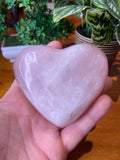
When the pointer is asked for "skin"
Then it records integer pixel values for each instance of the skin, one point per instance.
(26, 135)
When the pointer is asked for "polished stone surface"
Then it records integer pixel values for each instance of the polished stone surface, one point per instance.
(61, 84)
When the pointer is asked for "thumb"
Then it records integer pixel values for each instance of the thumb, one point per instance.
(55, 44)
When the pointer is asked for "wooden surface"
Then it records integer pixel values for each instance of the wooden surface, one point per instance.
(103, 143)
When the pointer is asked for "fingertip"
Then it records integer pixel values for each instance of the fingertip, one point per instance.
(109, 81)
(107, 101)
(107, 85)
(100, 107)
(55, 44)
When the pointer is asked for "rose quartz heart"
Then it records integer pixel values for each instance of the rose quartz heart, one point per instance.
(61, 84)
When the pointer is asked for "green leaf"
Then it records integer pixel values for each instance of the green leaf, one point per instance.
(10, 3)
(118, 33)
(61, 3)
(62, 12)
(112, 6)
(101, 23)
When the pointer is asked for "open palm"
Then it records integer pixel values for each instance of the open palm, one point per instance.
(26, 135)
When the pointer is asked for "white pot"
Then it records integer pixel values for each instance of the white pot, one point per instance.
(12, 52)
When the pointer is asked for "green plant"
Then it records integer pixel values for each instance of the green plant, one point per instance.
(38, 26)
(102, 17)
(3, 13)
(22, 3)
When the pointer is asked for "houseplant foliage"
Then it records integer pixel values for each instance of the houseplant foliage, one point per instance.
(38, 26)
(3, 13)
(102, 17)
(22, 3)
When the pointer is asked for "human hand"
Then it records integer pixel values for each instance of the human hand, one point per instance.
(26, 135)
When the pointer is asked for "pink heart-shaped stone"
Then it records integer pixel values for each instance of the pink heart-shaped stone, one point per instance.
(61, 84)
